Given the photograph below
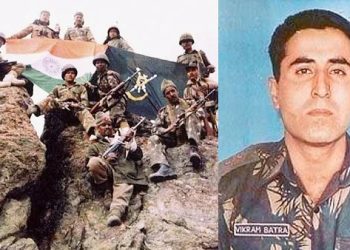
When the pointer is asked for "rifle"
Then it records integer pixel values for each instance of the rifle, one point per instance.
(194, 107)
(67, 105)
(98, 105)
(118, 143)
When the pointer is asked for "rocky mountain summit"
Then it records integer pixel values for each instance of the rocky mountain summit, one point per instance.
(48, 202)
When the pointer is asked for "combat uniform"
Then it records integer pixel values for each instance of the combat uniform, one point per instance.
(120, 43)
(116, 104)
(263, 205)
(126, 172)
(195, 56)
(37, 29)
(160, 141)
(75, 94)
(79, 34)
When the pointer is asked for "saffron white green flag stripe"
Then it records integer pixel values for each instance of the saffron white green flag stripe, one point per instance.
(46, 58)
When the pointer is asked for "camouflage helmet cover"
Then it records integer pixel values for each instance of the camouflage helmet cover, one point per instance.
(100, 56)
(67, 67)
(186, 36)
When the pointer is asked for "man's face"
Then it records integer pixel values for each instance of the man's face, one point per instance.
(101, 65)
(112, 33)
(192, 73)
(70, 76)
(186, 44)
(171, 95)
(78, 20)
(313, 92)
(45, 17)
(105, 128)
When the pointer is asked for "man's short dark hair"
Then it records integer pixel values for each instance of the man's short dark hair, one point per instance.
(308, 19)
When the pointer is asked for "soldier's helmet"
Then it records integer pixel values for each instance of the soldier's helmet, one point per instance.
(167, 83)
(100, 56)
(2, 37)
(67, 67)
(186, 36)
(113, 27)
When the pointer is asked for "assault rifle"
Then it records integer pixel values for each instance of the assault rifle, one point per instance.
(118, 143)
(121, 85)
(194, 107)
(68, 105)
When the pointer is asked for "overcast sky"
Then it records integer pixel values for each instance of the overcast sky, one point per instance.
(151, 27)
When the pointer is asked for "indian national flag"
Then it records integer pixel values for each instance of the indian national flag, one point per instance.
(47, 57)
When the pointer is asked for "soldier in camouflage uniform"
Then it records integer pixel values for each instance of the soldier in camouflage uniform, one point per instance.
(69, 96)
(190, 55)
(106, 80)
(78, 32)
(39, 28)
(114, 39)
(295, 193)
(197, 88)
(123, 166)
(167, 133)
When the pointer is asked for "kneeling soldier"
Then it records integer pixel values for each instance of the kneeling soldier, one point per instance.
(123, 166)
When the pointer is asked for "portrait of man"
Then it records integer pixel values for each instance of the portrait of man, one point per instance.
(295, 193)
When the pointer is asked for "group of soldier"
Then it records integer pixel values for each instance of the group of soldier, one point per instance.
(179, 122)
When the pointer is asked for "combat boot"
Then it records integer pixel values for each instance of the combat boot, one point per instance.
(33, 109)
(164, 173)
(114, 218)
(195, 157)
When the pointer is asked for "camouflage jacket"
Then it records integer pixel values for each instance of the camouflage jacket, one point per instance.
(107, 81)
(167, 115)
(125, 169)
(198, 56)
(262, 204)
(75, 93)
(36, 30)
(120, 43)
(79, 34)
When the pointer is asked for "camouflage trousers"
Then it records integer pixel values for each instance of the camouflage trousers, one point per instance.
(100, 170)
(159, 143)
(84, 116)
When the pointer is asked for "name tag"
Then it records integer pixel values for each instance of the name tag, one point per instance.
(261, 229)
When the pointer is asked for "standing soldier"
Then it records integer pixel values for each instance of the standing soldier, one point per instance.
(114, 39)
(78, 32)
(70, 96)
(196, 89)
(106, 80)
(123, 166)
(190, 55)
(168, 133)
(39, 28)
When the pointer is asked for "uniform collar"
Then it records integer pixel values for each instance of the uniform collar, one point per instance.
(275, 161)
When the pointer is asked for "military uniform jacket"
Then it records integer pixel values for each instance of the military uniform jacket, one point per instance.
(106, 82)
(125, 170)
(196, 90)
(76, 93)
(262, 204)
(79, 34)
(120, 43)
(194, 55)
(36, 31)
(167, 115)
